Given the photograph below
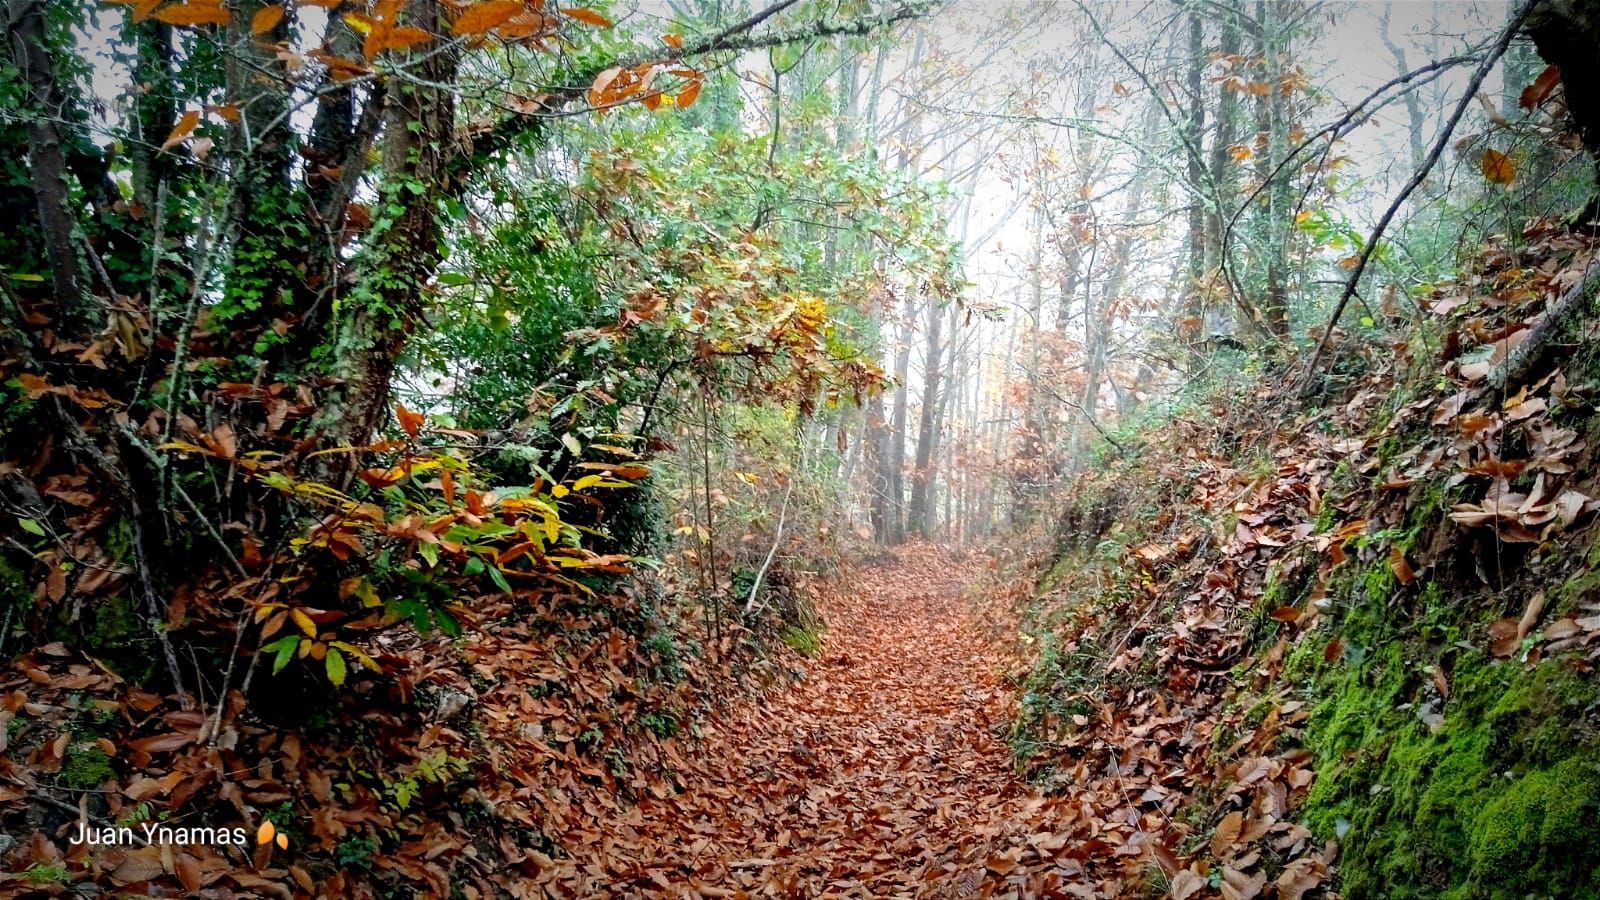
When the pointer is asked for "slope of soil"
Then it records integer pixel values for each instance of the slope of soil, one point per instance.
(1374, 607)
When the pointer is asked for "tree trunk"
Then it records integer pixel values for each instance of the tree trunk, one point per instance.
(418, 136)
(31, 55)
(922, 507)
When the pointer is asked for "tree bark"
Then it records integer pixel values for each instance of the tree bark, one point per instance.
(922, 476)
(31, 55)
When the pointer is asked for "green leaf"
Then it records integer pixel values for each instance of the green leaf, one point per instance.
(31, 527)
(336, 668)
(499, 579)
(284, 647)
(447, 623)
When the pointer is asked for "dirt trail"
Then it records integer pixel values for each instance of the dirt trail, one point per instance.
(883, 774)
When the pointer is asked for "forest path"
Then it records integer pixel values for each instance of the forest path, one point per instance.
(884, 773)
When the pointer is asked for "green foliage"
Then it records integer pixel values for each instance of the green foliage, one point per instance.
(355, 851)
(44, 873)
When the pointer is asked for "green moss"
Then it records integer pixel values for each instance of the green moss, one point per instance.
(1541, 834)
(86, 766)
(1460, 807)
(803, 640)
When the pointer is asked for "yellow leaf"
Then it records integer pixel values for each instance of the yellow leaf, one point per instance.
(588, 16)
(186, 125)
(205, 12)
(480, 17)
(359, 21)
(304, 621)
(266, 19)
(559, 490)
(687, 95)
(1497, 167)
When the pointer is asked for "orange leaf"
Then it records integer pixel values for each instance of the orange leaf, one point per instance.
(377, 39)
(673, 39)
(266, 19)
(186, 126)
(1497, 167)
(480, 17)
(205, 12)
(601, 82)
(587, 15)
(687, 95)
(409, 421)
(265, 833)
(144, 8)
(1401, 568)
(402, 38)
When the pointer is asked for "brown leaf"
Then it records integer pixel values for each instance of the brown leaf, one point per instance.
(189, 872)
(1399, 566)
(162, 743)
(1186, 884)
(1539, 90)
(1226, 834)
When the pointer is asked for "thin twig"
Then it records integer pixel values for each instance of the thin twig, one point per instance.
(1467, 99)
